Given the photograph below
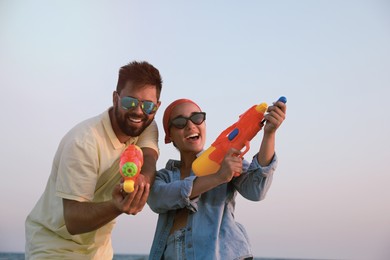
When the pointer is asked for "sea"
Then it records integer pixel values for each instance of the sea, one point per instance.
(20, 256)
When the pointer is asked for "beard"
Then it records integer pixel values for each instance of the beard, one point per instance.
(129, 128)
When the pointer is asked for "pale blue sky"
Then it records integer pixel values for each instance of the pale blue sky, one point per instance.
(329, 199)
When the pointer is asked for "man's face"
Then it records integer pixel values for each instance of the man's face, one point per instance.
(130, 118)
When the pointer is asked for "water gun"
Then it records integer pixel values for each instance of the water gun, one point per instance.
(130, 164)
(236, 136)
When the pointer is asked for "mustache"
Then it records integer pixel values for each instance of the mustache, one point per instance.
(131, 115)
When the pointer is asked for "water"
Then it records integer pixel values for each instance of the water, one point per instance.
(20, 256)
(11, 256)
(130, 257)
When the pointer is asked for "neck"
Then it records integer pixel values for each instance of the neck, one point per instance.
(186, 163)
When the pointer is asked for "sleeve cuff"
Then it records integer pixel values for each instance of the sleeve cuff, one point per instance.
(264, 169)
(191, 204)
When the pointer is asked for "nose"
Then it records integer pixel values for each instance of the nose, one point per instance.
(137, 109)
(190, 124)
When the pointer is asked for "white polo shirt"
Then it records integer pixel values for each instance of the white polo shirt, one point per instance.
(85, 168)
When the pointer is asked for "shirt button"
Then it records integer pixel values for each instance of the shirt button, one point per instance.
(188, 229)
(189, 245)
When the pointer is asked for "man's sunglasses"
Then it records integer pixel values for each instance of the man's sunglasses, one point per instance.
(180, 122)
(130, 102)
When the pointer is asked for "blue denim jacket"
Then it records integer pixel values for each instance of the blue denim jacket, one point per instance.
(211, 231)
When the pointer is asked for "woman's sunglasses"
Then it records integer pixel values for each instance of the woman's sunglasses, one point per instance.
(130, 102)
(180, 122)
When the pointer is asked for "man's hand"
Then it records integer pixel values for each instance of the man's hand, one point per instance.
(131, 203)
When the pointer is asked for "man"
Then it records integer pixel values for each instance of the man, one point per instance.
(74, 217)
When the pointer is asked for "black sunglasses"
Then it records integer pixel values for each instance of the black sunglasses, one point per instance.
(130, 102)
(180, 122)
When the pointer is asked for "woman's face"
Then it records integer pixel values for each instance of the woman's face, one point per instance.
(192, 137)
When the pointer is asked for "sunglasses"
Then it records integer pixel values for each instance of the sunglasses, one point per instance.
(180, 122)
(148, 107)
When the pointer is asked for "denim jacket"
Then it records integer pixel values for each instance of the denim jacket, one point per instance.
(211, 231)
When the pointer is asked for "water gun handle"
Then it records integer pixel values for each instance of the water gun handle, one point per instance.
(130, 165)
(241, 155)
(247, 147)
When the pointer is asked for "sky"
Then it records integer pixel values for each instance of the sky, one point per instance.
(330, 196)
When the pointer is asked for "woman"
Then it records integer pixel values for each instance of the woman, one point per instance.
(196, 214)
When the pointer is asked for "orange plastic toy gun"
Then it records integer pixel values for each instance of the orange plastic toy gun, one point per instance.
(130, 165)
(236, 136)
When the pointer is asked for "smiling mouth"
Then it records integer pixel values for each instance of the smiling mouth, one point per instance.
(192, 137)
(134, 120)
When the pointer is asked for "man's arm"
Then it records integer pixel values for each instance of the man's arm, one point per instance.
(82, 217)
(149, 167)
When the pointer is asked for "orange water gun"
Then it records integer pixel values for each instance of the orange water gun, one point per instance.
(236, 136)
(130, 165)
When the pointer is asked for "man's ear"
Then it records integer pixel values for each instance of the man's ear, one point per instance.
(115, 98)
(158, 105)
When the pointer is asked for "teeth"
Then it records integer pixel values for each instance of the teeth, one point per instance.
(193, 135)
(135, 120)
